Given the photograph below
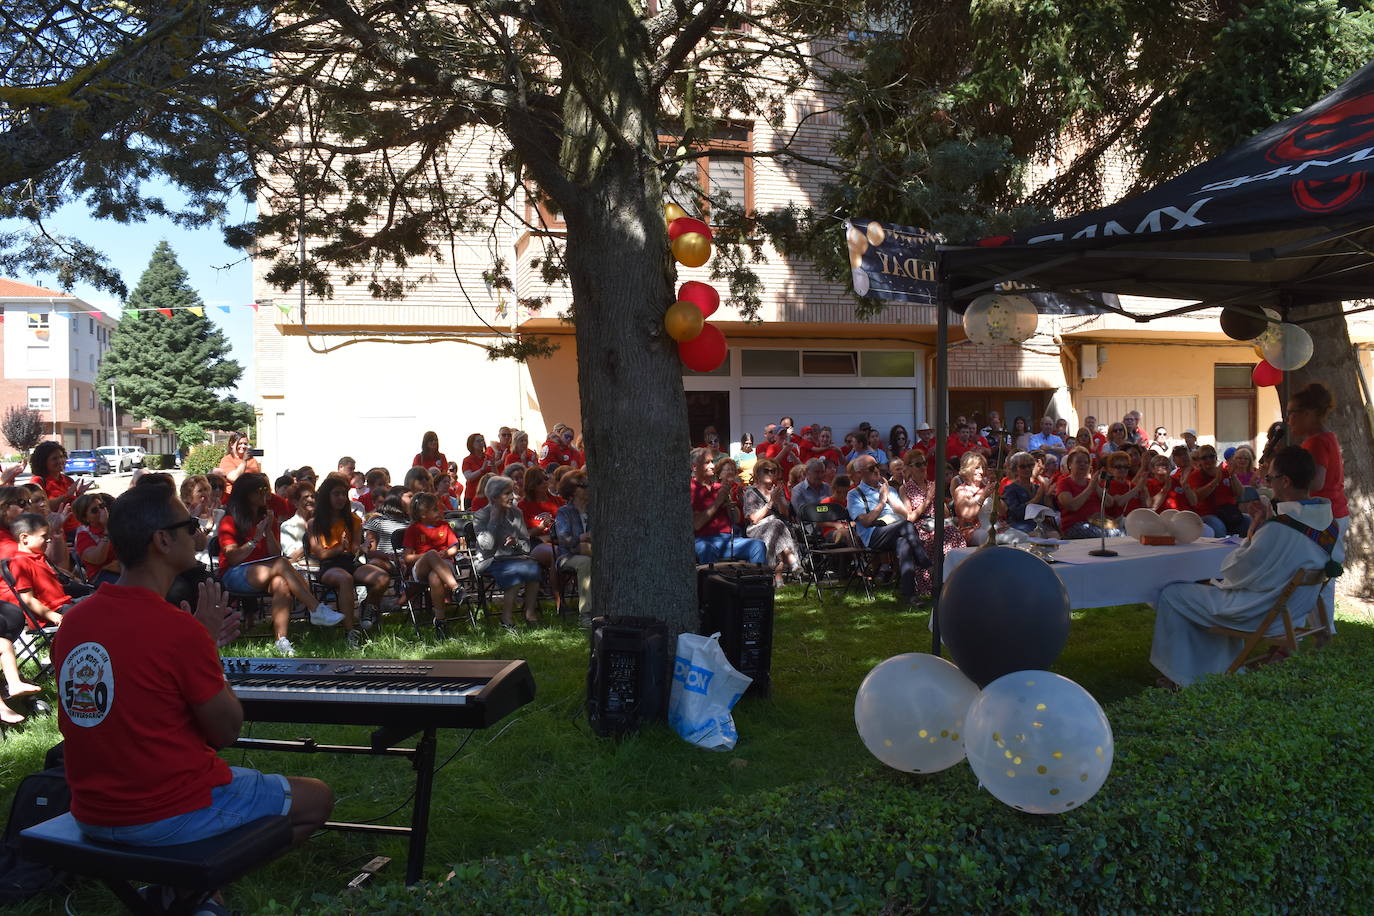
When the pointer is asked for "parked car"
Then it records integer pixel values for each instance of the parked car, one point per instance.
(137, 453)
(86, 461)
(116, 457)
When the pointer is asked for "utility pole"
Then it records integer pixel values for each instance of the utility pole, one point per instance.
(114, 420)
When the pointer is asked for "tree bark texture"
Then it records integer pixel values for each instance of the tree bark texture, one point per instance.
(1333, 364)
(629, 374)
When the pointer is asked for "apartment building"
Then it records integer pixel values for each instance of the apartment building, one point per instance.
(53, 343)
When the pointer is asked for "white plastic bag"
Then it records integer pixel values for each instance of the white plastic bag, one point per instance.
(705, 688)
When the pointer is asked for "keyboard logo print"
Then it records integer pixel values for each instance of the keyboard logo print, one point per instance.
(697, 680)
(86, 684)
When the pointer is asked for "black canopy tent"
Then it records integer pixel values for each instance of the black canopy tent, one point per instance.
(1285, 220)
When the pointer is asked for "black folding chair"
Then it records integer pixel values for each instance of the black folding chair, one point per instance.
(249, 603)
(35, 643)
(824, 560)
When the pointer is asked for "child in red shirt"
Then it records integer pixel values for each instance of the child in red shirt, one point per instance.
(93, 546)
(35, 584)
(430, 546)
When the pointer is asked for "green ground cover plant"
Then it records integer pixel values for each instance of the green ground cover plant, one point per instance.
(538, 814)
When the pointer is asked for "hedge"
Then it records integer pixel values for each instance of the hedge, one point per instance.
(203, 459)
(1242, 794)
(159, 462)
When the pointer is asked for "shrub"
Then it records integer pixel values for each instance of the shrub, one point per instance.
(22, 428)
(1252, 788)
(159, 462)
(203, 459)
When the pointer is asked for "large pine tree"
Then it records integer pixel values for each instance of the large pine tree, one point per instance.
(170, 370)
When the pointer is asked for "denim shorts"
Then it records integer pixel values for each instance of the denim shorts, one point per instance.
(251, 795)
(509, 572)
(235, 579)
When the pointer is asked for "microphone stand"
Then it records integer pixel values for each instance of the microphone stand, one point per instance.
(1102, 550)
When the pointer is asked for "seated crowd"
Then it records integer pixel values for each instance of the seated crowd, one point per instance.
(289, 541)
(1007, 483)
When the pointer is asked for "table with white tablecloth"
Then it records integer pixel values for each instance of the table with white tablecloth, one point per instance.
(1135, 576)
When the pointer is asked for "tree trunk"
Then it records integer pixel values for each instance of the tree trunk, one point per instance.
(1333, 364)
(634, 413)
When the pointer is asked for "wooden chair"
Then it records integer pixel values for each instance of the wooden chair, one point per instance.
(1282, 644)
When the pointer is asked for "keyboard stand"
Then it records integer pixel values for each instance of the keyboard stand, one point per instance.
(383, 745)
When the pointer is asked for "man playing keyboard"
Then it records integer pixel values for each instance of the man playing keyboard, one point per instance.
(144, 704)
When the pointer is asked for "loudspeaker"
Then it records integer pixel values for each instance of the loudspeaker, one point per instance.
(738, 604)
(627, 674)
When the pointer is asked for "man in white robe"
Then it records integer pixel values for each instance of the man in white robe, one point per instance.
(1251, 578)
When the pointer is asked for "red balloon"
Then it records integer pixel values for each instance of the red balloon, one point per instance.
(685, 224)
(1266, 375)
(706, 351)
(702, 295)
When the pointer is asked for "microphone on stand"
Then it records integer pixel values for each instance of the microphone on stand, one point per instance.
(1102, 550)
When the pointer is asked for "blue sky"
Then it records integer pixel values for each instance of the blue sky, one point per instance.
(221, 275)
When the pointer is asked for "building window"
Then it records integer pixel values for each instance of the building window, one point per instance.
(1235, 405)
(76, 398)
(92, 362)
(776, 363)
(829, 362)
(38, 321)
(725, 175)
(40, 398)
(887, 363)
(92, 399)
(92, 324)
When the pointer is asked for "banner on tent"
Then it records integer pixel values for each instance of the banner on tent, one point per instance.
(897, 264)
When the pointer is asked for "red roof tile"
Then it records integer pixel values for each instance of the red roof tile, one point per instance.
(13, 289)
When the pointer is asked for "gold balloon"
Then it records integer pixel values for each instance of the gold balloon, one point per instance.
(858, 244)
(876, 233)
(684, 321)
(692, 249)
(1259, 351)
(672, 212)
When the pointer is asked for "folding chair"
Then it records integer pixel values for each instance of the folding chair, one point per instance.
(823, 559)
(35, 643)
(249, 603)
(1280, 645)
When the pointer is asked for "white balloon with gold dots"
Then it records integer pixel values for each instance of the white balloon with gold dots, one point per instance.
(1038, 742)
(910, 712)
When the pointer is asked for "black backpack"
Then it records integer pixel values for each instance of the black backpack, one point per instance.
(39, 797)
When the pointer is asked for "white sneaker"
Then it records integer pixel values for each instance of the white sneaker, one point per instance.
(325, 616)
(284, 647)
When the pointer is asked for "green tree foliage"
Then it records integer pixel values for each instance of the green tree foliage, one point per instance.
(170, 370)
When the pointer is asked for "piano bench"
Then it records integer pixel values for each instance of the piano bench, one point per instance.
(198, 868)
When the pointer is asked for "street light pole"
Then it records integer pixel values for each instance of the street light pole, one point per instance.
(114, 421)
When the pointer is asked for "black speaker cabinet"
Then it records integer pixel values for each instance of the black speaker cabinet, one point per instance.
(627, 677)
(738, 604)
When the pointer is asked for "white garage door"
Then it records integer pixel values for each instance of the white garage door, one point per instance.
(842, 409)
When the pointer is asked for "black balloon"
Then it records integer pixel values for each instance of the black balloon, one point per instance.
(1242, 324)
(1003, 610)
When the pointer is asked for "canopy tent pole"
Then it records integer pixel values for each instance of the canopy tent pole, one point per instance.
(937, 572)
(1284, 384)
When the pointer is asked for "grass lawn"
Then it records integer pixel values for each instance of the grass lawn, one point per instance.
(541, 775)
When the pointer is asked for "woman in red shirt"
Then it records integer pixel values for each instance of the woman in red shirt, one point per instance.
(49, 460)
(430, 546)
(1160, 485)
(1079, 496)
(539, 507)
(1307, 413)
(1212, 494)
(1124, 493)
(520, 452)
(94, 548)
(251, 560)
(430, 457)
(476, 465)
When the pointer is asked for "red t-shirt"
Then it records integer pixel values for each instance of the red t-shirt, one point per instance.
(1206, 505)
(831, 454)
(9, 546)
(482, 463)
(1070, 517)
(1176, 499)
(86, 538)
(788, 459)
(533, 508)
(703, 495)
(32, 574)
(229, 537)
(366, 500)
(1326, 451)
(478, 502)
(131, 670)
(766, 449)
(56, 488)
(528, 459)
(1152, 487)
(280, 506)
(437, 462)
(554, 453)
(422, 538)
(1116, 488)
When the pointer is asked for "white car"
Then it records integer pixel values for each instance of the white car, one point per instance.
(135, 453)
(120, 461)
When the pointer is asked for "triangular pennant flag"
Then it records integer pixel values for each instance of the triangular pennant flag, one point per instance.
(285, 309)
(165, 313)
(196, 310)
(224, 309)
(253, 305)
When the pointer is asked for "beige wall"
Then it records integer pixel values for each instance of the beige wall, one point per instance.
(1154, 370)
